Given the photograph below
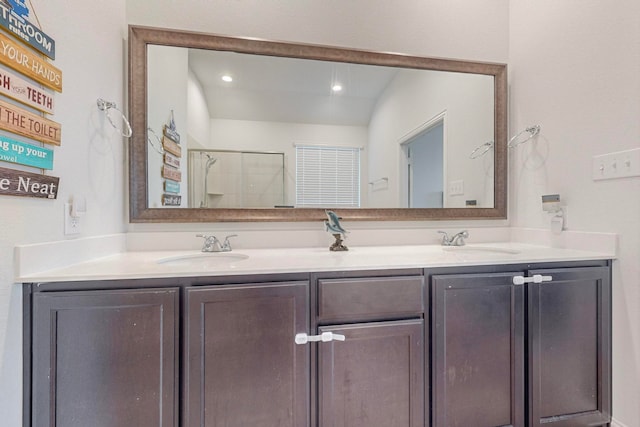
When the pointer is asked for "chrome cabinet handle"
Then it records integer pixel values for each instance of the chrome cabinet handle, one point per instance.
(303, 338)
(536, 278)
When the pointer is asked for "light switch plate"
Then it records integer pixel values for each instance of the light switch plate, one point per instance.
(621, 164)
(456, 188)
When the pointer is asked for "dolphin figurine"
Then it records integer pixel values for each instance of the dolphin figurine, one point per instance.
(332, 223)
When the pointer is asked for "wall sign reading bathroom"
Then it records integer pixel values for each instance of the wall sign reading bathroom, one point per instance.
(26, 31)
(26, 184)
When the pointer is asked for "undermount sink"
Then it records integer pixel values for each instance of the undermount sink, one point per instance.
(480, 250)
(204, 259)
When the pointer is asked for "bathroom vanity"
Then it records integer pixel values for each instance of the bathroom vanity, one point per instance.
(426, 338)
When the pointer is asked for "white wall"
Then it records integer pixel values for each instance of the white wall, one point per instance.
(409, 103)
(167, 80)
(575, 70)
(90, 162)
(198, 117)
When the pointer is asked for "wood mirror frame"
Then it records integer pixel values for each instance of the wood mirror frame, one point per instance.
(139, 211)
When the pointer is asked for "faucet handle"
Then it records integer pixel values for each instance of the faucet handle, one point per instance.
(210, 243)
(445, 238)
(226, 246)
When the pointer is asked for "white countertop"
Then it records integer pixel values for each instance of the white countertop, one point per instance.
(136, 265)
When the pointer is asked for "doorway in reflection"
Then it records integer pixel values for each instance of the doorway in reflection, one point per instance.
(424, 165)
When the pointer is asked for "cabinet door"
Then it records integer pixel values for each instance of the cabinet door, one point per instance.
(105, 358)
(242, 366)
(478, 351)
(375, 378)
(569, 348)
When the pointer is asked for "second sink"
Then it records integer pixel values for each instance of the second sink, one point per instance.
(204, 260)
(480, 250)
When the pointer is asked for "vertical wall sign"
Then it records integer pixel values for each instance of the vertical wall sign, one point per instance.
(172, 174)
(17, 88)
(20, 183)
(171, 146)
(171, 200)
(171, 160)
(21, 122)
(170, 130)
(171, 186)
(26, 32)
(24, 61)
(171, 133)
(25, 154)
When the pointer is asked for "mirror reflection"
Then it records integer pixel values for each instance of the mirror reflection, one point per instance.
(260, 131)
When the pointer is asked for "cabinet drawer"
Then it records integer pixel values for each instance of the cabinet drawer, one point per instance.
(370, 298)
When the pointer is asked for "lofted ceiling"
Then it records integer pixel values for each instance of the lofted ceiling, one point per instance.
(266, 88)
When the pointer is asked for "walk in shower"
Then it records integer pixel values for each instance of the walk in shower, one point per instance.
(235, 179)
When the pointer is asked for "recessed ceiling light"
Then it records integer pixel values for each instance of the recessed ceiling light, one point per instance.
(227, 78)
(336, 88)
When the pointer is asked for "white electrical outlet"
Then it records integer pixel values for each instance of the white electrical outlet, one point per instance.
(621, 164)
(72, 224)
(456, 188)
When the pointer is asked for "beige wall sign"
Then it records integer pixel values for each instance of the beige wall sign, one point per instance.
(20, 183)
(171, 173)
(16, 87)
(171, 160)
(21, 122)
(171, 146)
(26, 62)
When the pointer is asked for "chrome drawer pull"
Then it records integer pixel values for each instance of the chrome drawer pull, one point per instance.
(303, 338)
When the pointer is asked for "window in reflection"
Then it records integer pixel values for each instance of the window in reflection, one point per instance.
(327, 176)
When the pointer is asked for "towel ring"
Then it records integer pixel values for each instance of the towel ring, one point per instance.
(106, 106)
(516, 140)
(481, 150)
(158, 147)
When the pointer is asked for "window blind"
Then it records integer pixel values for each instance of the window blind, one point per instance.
(327, 176)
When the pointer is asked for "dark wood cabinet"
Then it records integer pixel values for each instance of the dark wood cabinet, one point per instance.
(105, 358)
(242, 367)
(375, 378)
(478, 350)
(569, 348)
(482, 375)
(445, 347)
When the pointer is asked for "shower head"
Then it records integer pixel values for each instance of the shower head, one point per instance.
(210, 161)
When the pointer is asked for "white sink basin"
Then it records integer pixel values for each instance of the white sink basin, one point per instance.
(480, 250)
(204, 260)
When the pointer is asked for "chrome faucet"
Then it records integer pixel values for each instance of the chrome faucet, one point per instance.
(455, 240)
(212, 244)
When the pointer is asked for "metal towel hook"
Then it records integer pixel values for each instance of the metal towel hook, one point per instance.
(517, 140)
(106, 106)
(158, 147)
(481, 150)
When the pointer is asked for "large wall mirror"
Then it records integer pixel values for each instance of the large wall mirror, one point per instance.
(232, 129)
